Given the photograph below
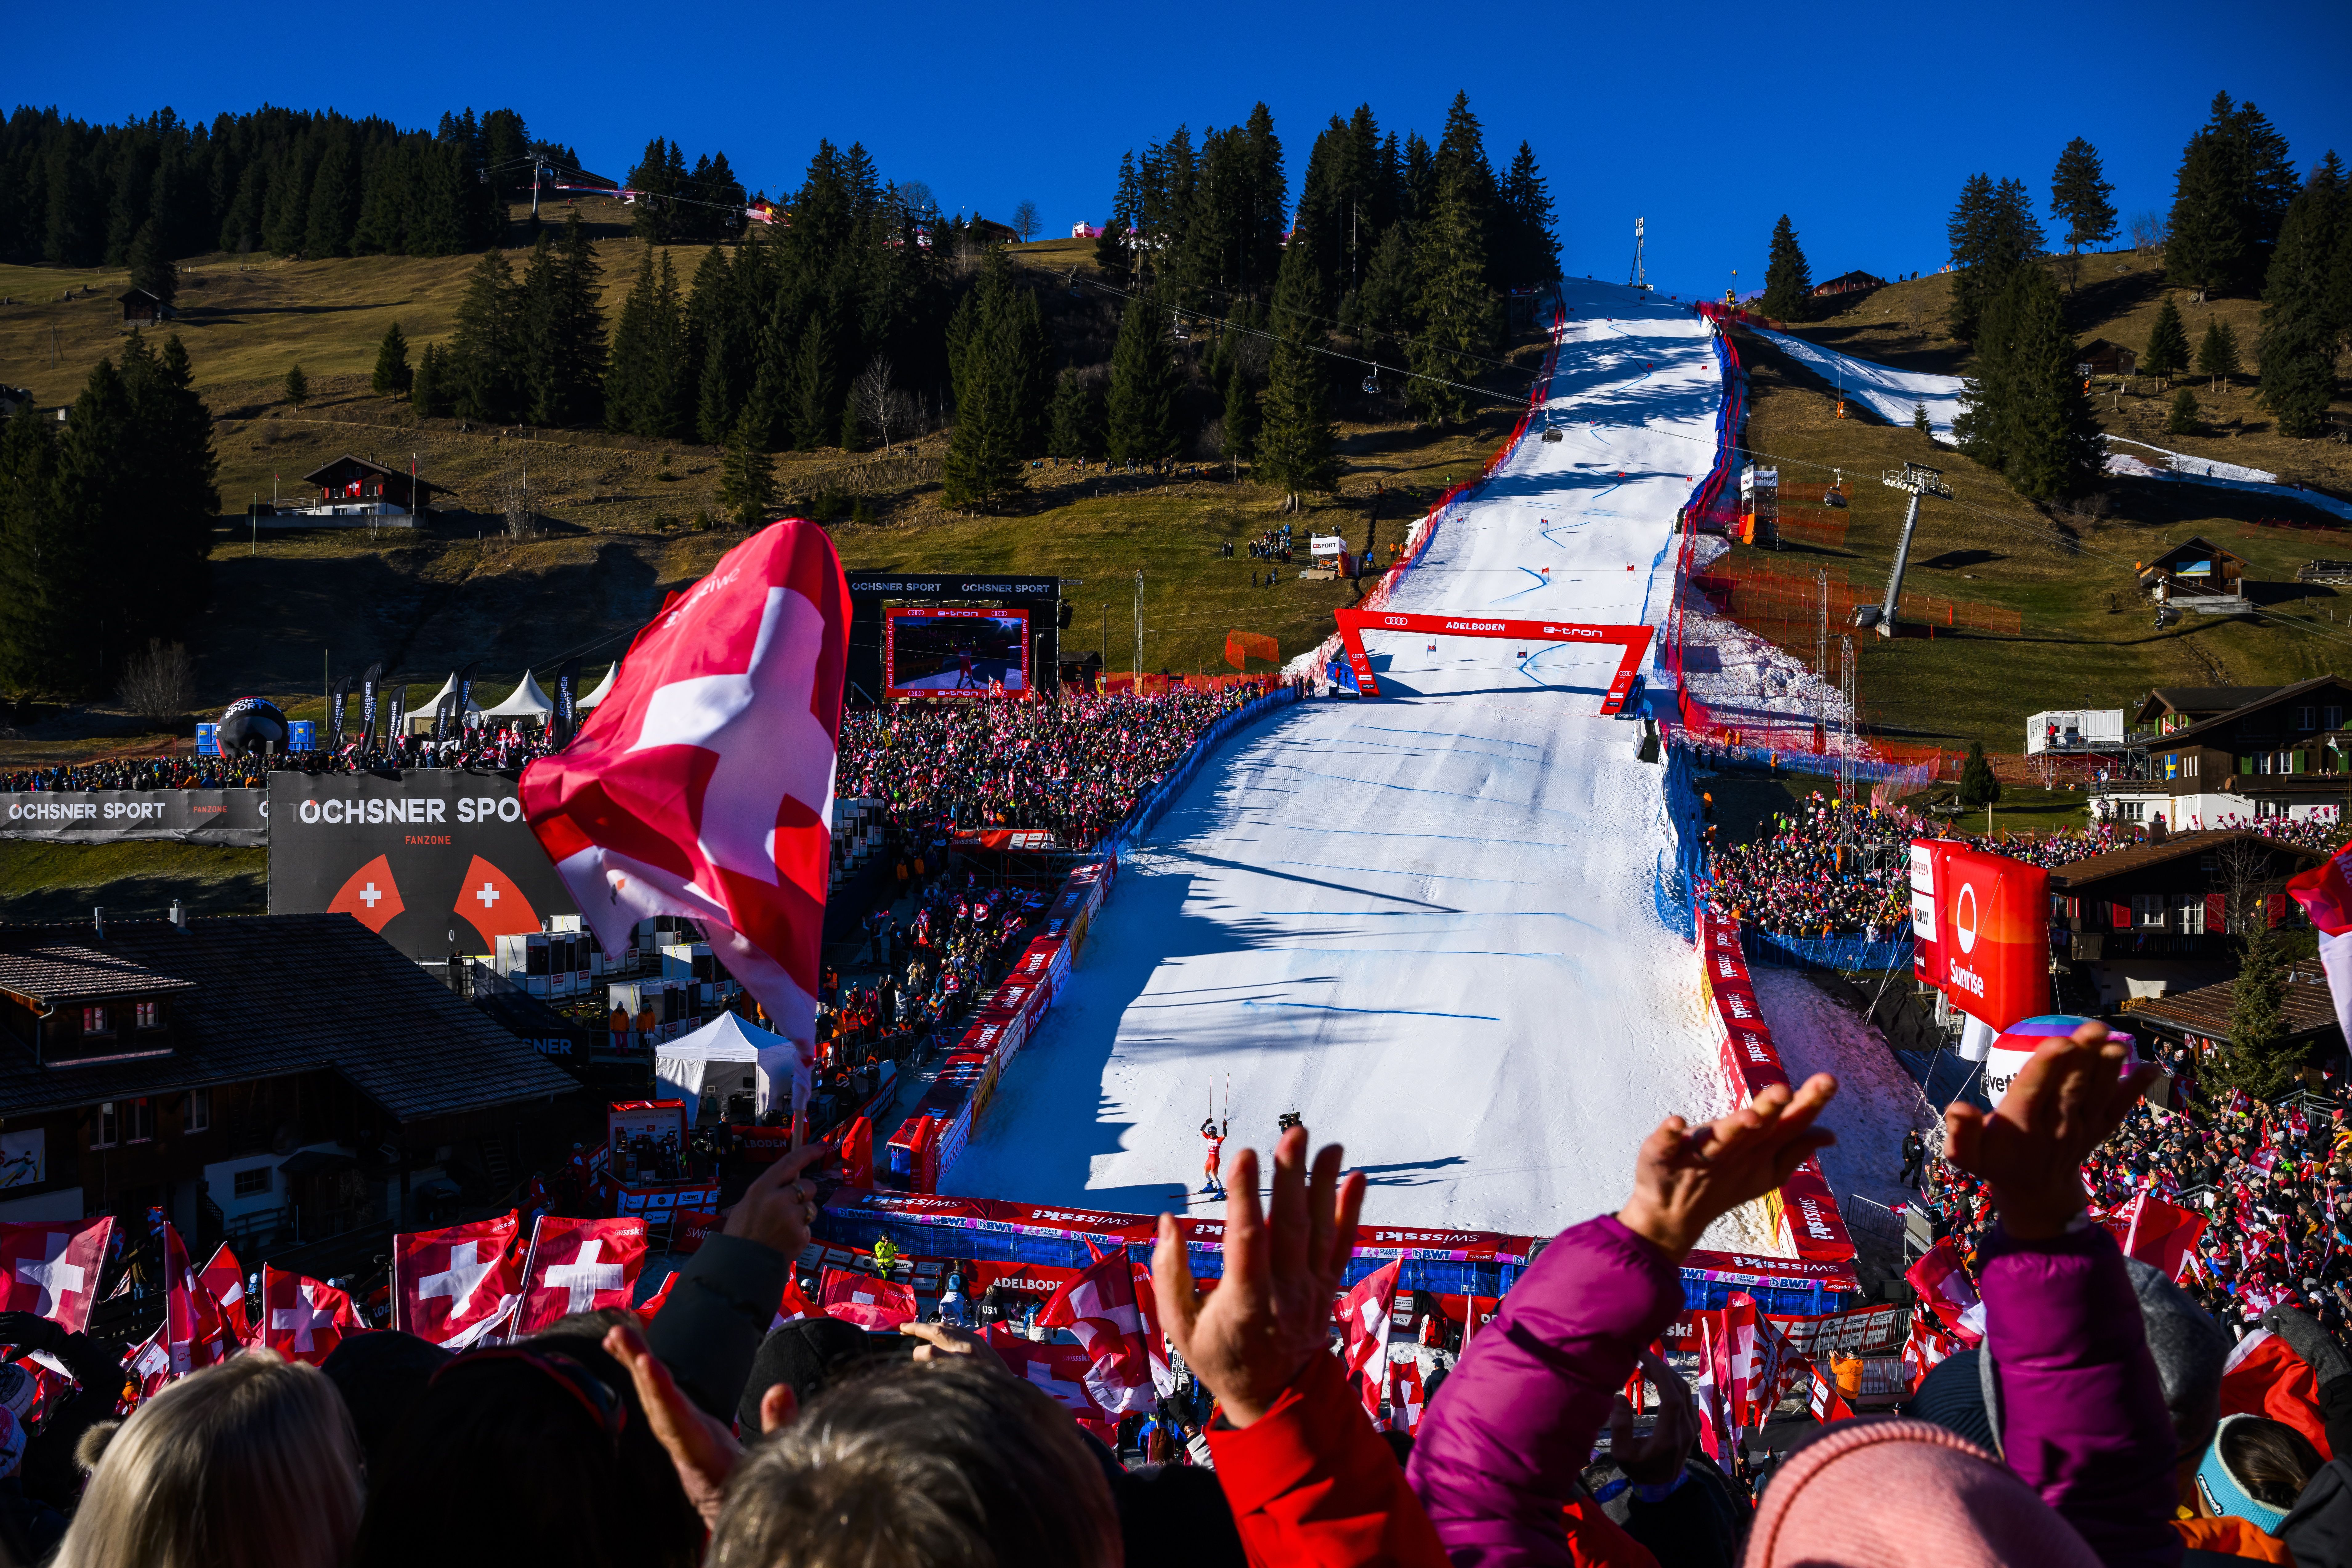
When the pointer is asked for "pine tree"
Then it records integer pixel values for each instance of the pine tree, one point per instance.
(991, 359)
(1788, 280)
(747, 481)
(814, 395)
(392, 377)
(1992, 232)
(2168, 344)
(432, 394)
(1110, 252)
(2258, 1059)
(2229, 200)
(2026, 414)
(1979, 788)
(151, 268)
(1920, 422)
(36, 553)
(580, 324)
(1241, 413)
(1076, 431)
(1534, 249)
(99, 499)
(161, 579)
(298, 387)
(485, 354)
(2217, 355)
(2078, 196)
(2185, 418)
(334, 201)
(2299, 331)
(1144, 382)
(1460, 322)
(1296, 448)
(2204, 247)
(641, 382)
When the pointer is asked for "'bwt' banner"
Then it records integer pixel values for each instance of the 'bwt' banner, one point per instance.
(413, 857)
(1982, 921)
(233, 818)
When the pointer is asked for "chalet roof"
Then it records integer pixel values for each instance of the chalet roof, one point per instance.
(319, 475)
(134, 293)
(2076, 874)
(1846, 282)
(2196, 548)
(2194, 699)
(2309, 1006)
(2271, 696)
(256, 996)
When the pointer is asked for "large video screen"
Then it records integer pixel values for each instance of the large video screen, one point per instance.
(941, 652)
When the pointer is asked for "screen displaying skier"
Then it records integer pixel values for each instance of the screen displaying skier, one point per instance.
(942, 652)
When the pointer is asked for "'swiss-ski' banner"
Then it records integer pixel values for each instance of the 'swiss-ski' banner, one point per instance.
(233, 818)
(413, 857)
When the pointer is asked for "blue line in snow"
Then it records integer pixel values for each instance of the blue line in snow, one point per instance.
(1376, 1012)
(1541, 581)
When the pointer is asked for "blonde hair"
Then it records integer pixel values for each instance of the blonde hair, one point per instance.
(250, 1464)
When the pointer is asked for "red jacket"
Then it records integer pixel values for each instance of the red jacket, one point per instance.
(1311, 1482)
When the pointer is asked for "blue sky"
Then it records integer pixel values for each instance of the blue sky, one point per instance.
(1859, 123)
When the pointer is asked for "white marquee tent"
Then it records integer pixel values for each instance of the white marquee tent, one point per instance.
(420, 718)
(526, 702)
(725, 1057)
(603, 687)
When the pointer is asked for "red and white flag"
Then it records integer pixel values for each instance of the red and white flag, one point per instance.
(578, 1266)
(456, 1285)
(1062, 1371)
(1101, 1307)
(51, 1267)
(1946, 1289)
(302, 1318)
(1405, 1396)
(151, 1364)
(877, 1306)
(2325, 894)
(702, 785)
(795, 1304)
(225, 1281)
(2159, 1233)
(1825, 1399)
(650, 1307)
(2265, 1377)
(1364, 1314)
(1926, 1346)
(192, 1330)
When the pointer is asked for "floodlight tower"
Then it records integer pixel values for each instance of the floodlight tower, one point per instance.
(1916, 481)
(1637, 278)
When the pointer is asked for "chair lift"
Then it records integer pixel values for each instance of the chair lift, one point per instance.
(1372, 382)
(1074, 294)
(1551, 431)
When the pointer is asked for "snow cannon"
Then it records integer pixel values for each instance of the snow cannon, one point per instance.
(2017, 1042)
(253, 724)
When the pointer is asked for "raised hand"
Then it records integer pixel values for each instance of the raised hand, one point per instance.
(2031, 1147)
(1271, 1313)
(1656, 1460)
(1686, 1178)
(777, 1209)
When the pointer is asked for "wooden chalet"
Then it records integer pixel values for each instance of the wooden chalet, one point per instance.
(2200, 1019)
(141, 309)
(2197, 574)
(351, 484)
(2159, 912)
(1848, 283)
(2100, 357)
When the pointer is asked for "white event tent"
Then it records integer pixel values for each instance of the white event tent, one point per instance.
(723, 1058)
(526, 702)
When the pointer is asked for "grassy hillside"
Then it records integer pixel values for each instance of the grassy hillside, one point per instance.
(2069, 575)
(62, 881)
(618, 513)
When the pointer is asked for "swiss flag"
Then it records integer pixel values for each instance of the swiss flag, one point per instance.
(224, 1281)
(303, 1320)
(1405, 1396)
(151, 1364)
(650, 1307)
(2264, 1377)
(2325, 894)
(489, 900)
(702, 785)
(875, 1305)
(857, 1154)
(193, 1331)
(1364, 1313)
(795, 1304)
(1946, 1289)
(369, 896)
(578, 1266)
(1061, 1371)
(452, 1287)
(1101, 1307)
(2159, 1233)
(51, 1267)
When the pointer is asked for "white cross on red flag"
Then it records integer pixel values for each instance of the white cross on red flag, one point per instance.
(578, 1266)
(302, 1319)
(453, 1287)
(702, 786)
(151, 1364)
(193, 1333)
(877, 1306)
(1405, 1396)
(50, 1268)
(1099, 1306)
(224, 1279)
(1061, 1371)
(1364, 1311)
(795, 1304)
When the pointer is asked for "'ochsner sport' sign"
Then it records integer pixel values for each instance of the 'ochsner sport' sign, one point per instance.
(427, 809)
(426, 858)
(232, 819)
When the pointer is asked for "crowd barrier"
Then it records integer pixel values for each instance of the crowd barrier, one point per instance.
(1146, 813)
(1847, 954)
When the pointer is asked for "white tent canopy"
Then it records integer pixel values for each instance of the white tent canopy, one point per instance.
(725, 1057)
(526, 702)
(421, 717)
(603, 687)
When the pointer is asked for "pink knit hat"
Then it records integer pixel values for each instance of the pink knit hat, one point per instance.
(1891, 1494)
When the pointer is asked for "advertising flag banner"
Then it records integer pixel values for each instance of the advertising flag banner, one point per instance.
(1983, 934)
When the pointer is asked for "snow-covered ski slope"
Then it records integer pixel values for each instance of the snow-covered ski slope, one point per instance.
(1893, 394)
(1425, 922)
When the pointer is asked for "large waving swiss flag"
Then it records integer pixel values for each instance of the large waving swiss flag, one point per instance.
(703, 786)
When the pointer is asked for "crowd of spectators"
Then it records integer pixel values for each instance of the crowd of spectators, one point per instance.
(507, 746)
(2087, 1430)
(1827, 869)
